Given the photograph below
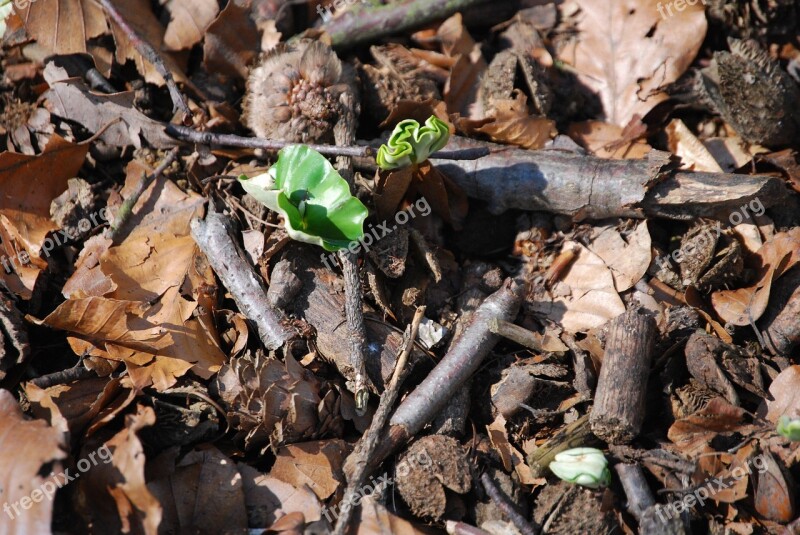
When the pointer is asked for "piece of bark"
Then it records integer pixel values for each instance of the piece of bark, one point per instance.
(321, 303)
(586, 187)
(517, 334)
(641, 503)
(214, 237)
(619, 400)
(782, 317)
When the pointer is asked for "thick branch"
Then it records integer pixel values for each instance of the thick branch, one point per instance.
(214, 238)
(586, 187)
(367, 22)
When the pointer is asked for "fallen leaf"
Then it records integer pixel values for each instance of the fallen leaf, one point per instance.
(317, 465)
(63, 26)
(509, 122)
(268, 498)
(71, 99)
(776, 257)
(627, 255)
(26, 446)
(204, 494)
(626, 52)
(462, 86)
(231, 42)
(189, 20)
(774, 491)
(585, 297)
(785, 392)
(694, 155)
(606, 140)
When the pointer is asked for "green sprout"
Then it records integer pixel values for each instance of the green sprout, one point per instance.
(312, 197)
(411, 144)
(789, 428)
(583, 466)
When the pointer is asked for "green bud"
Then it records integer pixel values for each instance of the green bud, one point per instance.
(584, 466)
(789, 428)
(411, 143)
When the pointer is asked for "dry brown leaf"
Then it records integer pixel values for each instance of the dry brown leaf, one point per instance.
(25, 207)
(139, 15)
(25, 447)
(585, 297)
(785, 391)
(625, 51)
(71, 99)
(509, 122)
(63, 26)
(628, 256)
(189, 20)
(317, 465)
(511, 457)
(729, 152)
(374, 519)
(114, 494)
(231, 42)
(693, 434)
(606, 140)
(268, 498)
(461, 91)
(204, 494)
(775, 491)
(776, 257)
(694, 155)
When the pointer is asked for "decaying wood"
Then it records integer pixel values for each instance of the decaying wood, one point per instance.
(619, 400)
(515, 333)
(782, 318)
(641, 503)
(586, 187)
(214, 237)
(574, 435)
(462, 360)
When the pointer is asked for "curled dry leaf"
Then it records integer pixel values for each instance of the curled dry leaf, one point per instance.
(25, 447)
(774, 491)
(694, 155)
(785, 396)
(510, 122)
(775, 258)
(231, 42)
(462, 87)
(606, 140)
(626, 51)
(585, 297)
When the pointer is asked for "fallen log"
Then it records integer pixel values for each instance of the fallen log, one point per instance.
(585, 187)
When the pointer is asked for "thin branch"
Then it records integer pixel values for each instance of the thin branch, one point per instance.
(506, 506)
(151, 55)
(369, 442)
(126, 210)
(190, 135)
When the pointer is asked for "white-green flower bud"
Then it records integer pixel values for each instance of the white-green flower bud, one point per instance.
(584, 466)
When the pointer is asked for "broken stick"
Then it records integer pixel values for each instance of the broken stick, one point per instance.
(586, 187)
(214, 239)
(619, 400)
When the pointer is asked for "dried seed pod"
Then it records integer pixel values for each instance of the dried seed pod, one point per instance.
(293, 94)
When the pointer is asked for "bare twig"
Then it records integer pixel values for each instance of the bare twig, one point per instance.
(126, 210)
(214, 239)
(506, 506)
(190, 135)
(151, 55)
(63, 377)
(358, 459)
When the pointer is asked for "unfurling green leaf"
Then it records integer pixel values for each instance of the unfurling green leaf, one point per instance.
(789, 428)
(411, 143)
(312, 197)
